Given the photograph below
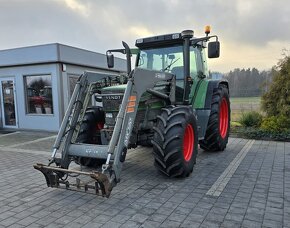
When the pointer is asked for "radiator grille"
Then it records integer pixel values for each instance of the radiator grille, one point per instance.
(112, 101)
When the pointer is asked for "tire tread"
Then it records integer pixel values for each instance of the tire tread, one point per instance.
(167, 140)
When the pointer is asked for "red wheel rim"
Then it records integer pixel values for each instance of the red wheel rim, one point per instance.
(224, 118)
(188, 142)
(99, 126)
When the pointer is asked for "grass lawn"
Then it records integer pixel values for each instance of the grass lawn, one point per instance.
(243, 104)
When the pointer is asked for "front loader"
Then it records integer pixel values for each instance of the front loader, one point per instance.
(166, 102)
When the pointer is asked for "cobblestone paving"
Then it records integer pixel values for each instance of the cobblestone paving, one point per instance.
(257, 194)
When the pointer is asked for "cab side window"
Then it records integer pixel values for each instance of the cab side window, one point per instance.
(196, 65)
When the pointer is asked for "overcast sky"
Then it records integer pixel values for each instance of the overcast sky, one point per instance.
(252, 32)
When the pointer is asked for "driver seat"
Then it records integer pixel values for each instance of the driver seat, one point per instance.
(178, 71)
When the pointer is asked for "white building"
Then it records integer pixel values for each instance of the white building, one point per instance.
(36, 83)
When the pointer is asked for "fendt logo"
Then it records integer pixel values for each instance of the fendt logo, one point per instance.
(128, 131)
(113, 97)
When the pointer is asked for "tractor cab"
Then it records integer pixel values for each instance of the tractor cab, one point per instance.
(180, 54)
(171, 59)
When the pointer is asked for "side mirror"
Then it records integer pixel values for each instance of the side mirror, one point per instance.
(110, 59)
(214, 49)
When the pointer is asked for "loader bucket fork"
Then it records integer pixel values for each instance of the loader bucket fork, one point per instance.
(54, 176)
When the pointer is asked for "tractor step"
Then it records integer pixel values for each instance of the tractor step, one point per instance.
(57, 177)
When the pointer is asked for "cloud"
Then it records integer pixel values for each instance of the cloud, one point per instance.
(33, 22)
(246, 28)
(260, 22)
(137, 31)
(77, 6)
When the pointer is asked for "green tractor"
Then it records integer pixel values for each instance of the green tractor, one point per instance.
(166, 102)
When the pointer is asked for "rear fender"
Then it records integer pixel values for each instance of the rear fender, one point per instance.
(204, 113)
(213, 84)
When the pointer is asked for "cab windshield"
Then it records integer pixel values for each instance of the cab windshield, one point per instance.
(170, 59)
(166, 59)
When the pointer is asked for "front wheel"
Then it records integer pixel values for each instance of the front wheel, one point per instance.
(92, 123)
(175, 141)
(218, 128)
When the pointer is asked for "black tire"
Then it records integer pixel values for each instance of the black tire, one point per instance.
(88, 134)
(218, 128)
(174, 155)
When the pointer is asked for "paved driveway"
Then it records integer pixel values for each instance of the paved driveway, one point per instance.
(247, 185)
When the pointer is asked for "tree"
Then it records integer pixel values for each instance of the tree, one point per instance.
(276, 101)
(248, 82)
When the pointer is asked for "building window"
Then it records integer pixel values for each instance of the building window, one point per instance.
(38, 94)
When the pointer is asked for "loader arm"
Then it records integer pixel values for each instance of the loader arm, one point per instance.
(139, 82)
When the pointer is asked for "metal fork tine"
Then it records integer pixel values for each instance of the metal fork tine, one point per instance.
(97, 188)
(102, 189)
(78, 182)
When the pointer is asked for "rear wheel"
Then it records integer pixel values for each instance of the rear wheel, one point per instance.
(175, 141)
(93, 122)
(218, 128)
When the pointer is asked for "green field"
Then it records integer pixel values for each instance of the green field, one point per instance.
(245, 100)
(243, 104)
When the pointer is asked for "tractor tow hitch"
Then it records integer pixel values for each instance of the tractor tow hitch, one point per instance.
(57, 177)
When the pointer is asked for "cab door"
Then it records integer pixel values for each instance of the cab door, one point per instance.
(197, 74)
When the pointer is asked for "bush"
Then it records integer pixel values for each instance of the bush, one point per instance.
(276, 124)
(276, 101)
(251, 119)
(254, 133)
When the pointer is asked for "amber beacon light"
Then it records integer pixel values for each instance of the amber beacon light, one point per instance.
(207, 30)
